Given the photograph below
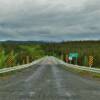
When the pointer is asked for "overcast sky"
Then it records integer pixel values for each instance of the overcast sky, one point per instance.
(49, 20)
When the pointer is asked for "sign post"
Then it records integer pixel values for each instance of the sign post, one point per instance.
(67, 59)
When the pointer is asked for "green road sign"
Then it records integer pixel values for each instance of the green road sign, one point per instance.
(74, 55)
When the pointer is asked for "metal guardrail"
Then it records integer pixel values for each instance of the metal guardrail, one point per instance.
(4, 70)
(56, 60)
(95, 70)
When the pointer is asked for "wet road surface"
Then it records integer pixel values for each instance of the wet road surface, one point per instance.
(48, 81)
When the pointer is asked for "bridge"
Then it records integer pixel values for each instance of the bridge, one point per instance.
(46, 79)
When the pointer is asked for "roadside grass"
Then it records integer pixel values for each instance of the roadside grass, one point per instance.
(83, 73)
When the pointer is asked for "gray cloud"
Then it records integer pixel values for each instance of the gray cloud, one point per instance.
(49, 19)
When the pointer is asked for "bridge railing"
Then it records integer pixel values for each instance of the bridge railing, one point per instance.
(4, 70)
(95, 70)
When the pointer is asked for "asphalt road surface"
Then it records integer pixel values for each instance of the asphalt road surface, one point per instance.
(47, 80)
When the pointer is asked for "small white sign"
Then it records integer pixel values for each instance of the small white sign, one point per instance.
(70, 58)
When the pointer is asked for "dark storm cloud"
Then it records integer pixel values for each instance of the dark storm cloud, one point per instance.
(49, 19)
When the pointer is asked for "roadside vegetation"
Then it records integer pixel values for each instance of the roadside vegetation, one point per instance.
(83, 48)
(14, 53)
(18, 54)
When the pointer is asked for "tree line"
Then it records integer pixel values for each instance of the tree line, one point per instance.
(18, 53)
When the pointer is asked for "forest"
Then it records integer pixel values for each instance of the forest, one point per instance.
(13, 53)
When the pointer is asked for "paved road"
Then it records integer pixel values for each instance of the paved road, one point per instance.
(48, 81)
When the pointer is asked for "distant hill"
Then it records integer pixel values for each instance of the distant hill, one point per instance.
(45, 42)
(23, 42)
